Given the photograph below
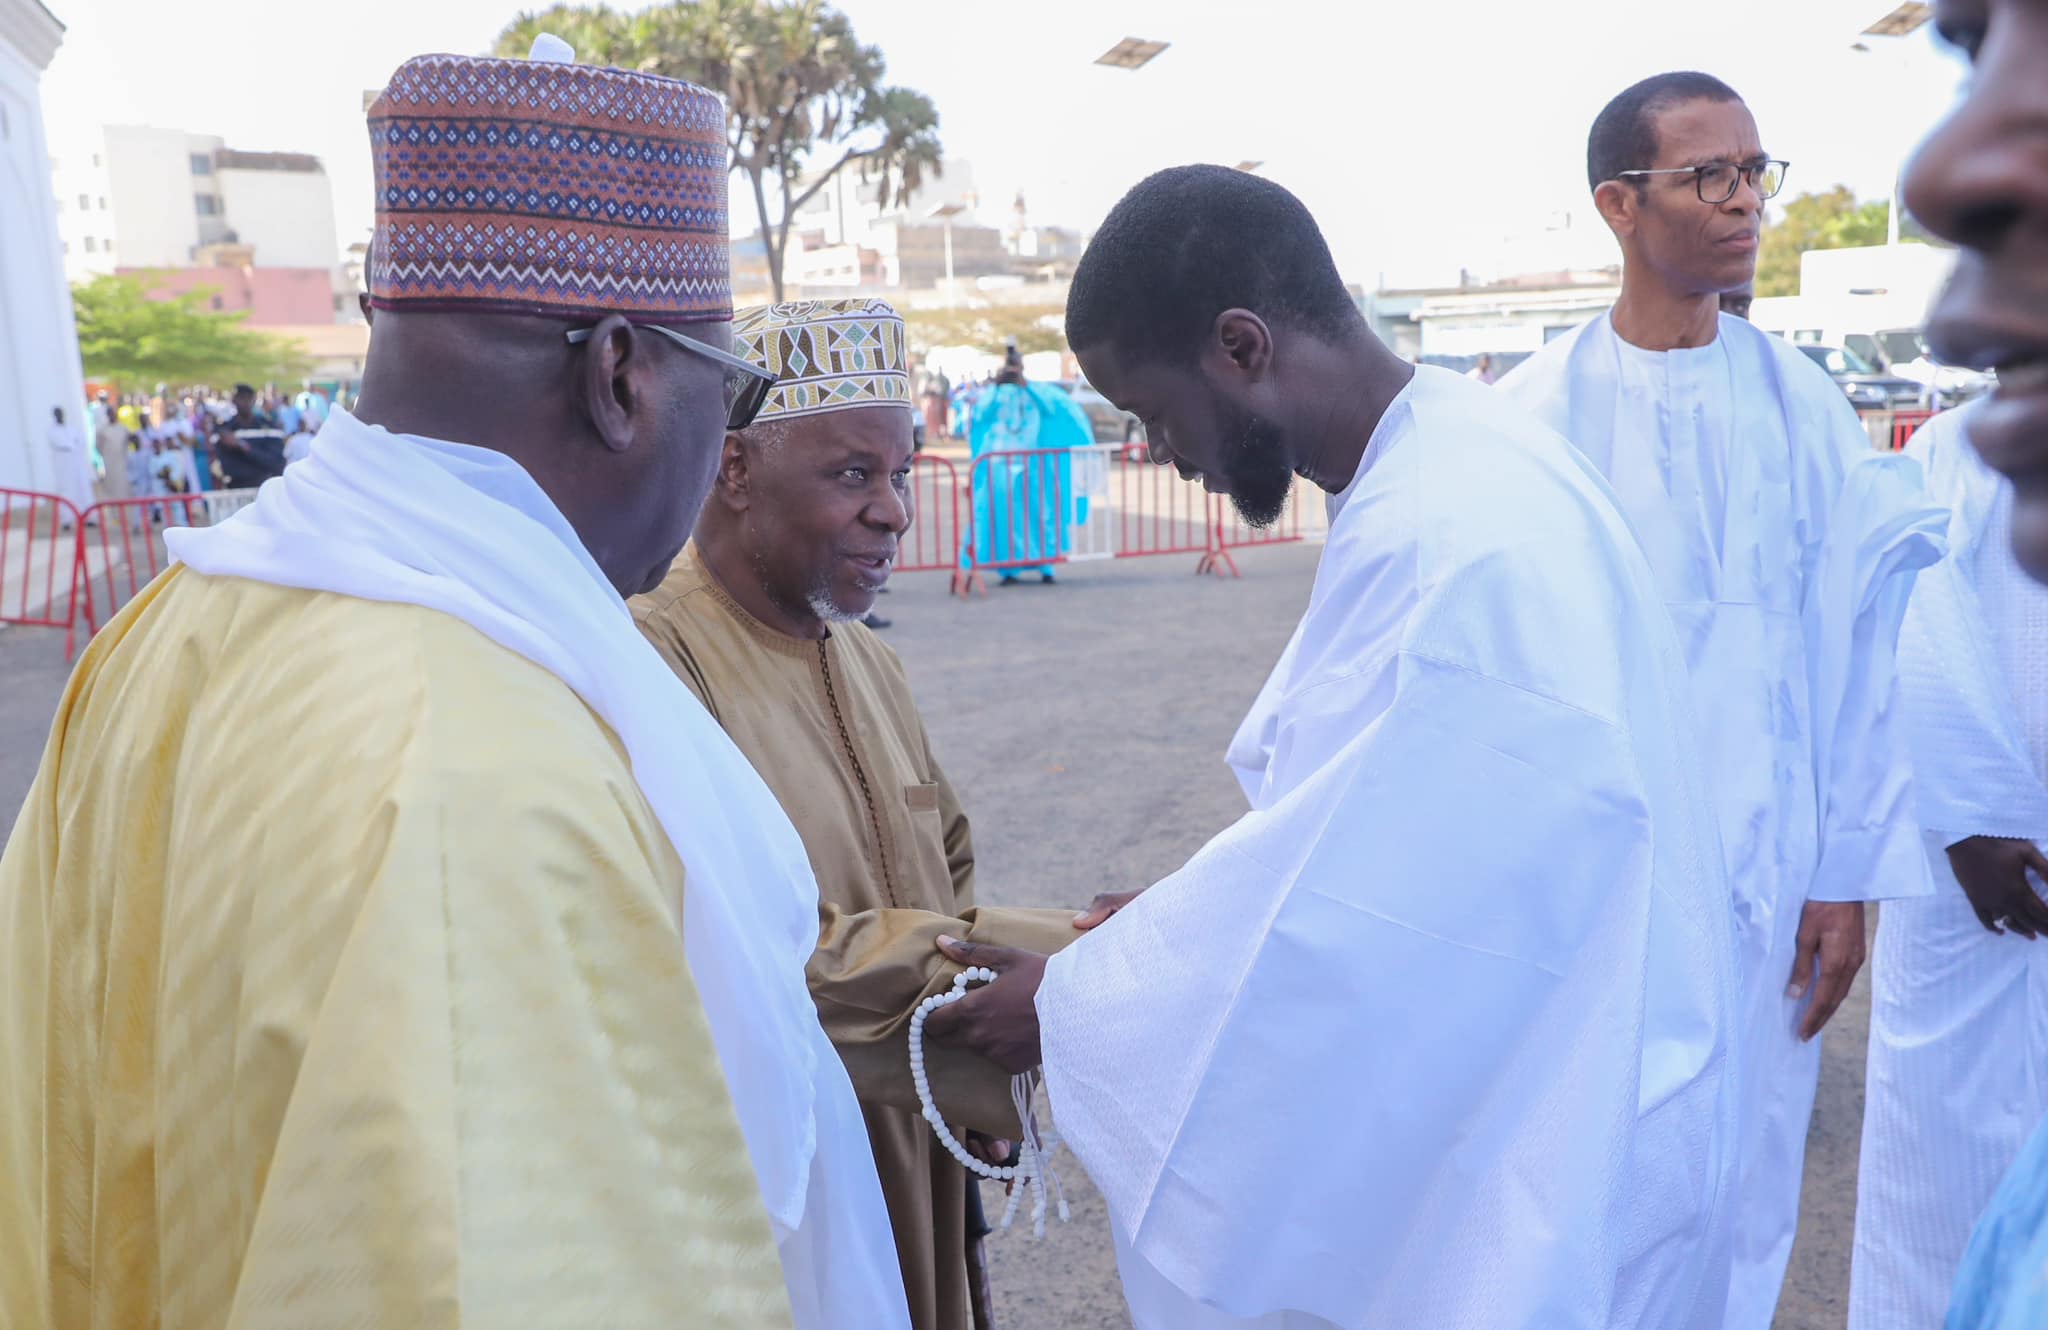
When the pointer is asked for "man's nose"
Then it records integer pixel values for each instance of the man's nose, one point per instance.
(893, 511)
(1983, 174)
(1747, 200)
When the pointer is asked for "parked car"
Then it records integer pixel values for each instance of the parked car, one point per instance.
(1865, 386)
(1110, 422)
(1902, 353)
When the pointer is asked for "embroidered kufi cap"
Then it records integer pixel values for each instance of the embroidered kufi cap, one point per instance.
(831, 354)
(550, 188)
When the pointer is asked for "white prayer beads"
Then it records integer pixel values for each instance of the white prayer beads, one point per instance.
(1031, 1170)
(924, 1089)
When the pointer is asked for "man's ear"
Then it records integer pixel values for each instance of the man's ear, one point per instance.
(605, 387)
(1620, 206)
(1243, 343)
(733, 486)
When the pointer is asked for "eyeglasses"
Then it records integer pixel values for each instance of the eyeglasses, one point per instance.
(745, 394)
(1717, 181)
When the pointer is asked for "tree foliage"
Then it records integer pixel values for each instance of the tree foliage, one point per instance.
(1832, 219)
(129, 338)
(805, 100)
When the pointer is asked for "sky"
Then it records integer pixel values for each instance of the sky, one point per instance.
(1426, 138)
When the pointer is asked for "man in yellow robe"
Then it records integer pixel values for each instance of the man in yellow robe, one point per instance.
(761, 617)
(387, 940)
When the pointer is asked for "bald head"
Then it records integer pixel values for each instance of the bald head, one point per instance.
(622, 431)
(803, 521)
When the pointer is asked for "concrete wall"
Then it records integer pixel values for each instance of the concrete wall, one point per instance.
(85, 205)
(154, 192)
(287, 215)
(273, 297)
(38, 342)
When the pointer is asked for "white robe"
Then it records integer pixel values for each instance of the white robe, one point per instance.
(73, 463)
(1958, 1074)
(1784, 548)
(1437, 1035)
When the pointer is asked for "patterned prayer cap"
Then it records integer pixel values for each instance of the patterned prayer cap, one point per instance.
(537, 187)
(831, 354)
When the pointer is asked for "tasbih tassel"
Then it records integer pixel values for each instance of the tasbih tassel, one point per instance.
(1033, 1170)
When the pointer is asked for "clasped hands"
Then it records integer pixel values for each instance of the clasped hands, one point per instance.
(1000, 1020)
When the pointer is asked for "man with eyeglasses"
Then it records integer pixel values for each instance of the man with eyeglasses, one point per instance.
(389, 938)
(1785, 550)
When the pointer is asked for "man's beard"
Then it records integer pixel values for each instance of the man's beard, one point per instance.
(824, 602)
(1255, 470)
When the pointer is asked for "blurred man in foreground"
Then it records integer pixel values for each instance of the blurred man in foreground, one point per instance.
(1981, 180)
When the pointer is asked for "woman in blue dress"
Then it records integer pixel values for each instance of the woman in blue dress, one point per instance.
(1023, 495)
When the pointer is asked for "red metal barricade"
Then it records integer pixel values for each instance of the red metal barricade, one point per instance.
(932, 544)
(1017, 501)
(1027, 509)
(42, 564)
(1904, 423)
(123, 550)
(1157, 512)
(1234, 533)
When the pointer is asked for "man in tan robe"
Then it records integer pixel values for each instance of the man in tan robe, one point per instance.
(761, 618)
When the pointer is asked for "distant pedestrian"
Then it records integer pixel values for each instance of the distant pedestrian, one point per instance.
(112, 439)
(1483, 371)
(312, 406)
(248, 444)
(1022, 479)
(298, 444)
(73, 475)
(937, 392)
(172, 462)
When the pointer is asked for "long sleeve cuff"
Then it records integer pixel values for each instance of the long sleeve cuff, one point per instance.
(1880, 863)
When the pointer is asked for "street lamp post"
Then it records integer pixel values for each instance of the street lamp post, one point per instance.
(1132, 53)
(946, 212)
(1902, 21)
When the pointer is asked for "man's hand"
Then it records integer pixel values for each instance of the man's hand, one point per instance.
(1104, 905)
(990, 1150)
(998, 1020)
(1830, 941)
(1993, 871)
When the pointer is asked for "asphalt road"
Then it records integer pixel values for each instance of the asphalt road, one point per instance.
(1084, 724)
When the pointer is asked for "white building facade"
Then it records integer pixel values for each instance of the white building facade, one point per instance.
(135, 196)
(38, 340)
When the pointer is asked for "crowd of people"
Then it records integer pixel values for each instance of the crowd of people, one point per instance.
(590, 941)
(171, 443)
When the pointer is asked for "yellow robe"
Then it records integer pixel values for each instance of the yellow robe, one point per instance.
(833, 730)
(342, 988)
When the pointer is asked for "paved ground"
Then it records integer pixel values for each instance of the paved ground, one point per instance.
(1084, 725)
